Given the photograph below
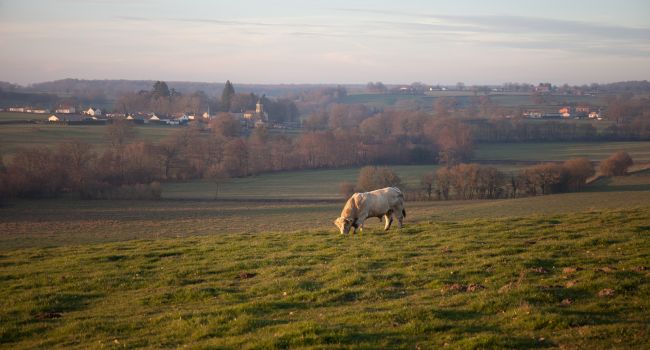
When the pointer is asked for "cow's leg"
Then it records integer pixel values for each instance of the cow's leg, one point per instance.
(389, 220)
(400, 217)
(360, 223)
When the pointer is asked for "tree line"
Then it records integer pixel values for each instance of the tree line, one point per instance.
(474, 181)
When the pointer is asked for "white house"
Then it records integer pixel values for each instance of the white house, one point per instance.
(93, 112)
(66, 110)
(53, 118)
(154, 118)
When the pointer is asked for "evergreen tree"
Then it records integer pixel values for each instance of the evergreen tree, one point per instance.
(160, 89)
(226, 96)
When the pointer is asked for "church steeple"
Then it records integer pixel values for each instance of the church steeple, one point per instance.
(259, 107)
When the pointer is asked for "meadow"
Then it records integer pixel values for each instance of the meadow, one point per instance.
(16, 116)
(15, 136)
(638, 150)
(572, 281)
(562, 271)
(264, 267)
(62, 222)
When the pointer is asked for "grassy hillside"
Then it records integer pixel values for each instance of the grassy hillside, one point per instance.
(571, 281)
(49, 223)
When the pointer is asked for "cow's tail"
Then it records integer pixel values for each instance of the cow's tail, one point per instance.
(404, 212)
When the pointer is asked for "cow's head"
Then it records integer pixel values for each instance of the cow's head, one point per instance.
(343, 224)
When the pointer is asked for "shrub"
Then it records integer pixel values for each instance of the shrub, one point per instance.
(372, 178)
(346, 189)
(616, 165)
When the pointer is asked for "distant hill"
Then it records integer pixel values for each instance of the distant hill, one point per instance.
(114, 88)
(14, 98)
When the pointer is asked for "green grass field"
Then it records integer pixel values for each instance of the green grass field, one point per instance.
(570, 281)
(639, 151)
(15, 136)
(306, 184)
(6, 116)
(563, 271)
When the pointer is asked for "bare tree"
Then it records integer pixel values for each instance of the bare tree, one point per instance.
(120, 132)
(219, 176)
(427, 182)
(579, 170)
(226, 125)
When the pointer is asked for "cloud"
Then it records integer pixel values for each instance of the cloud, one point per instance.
(518, 32)
(222, 22)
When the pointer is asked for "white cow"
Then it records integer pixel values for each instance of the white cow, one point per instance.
(384, 202)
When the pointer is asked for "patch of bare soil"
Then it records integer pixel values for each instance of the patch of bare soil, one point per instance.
(571, 284)
(569, 270)
(460, 288)
(246, 275)
(607, 292)
(48, 315)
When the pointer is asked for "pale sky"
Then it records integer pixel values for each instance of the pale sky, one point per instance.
(334, 41)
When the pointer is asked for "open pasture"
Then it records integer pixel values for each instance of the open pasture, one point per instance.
(639, 151)
(570, 281)
(15, 136)
(304, 184)
(11, 116)
(48, 223)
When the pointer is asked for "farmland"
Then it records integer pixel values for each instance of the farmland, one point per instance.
(15, 116)
(464, 98)
(639, 151)
(261, 266)
(16, 136)
(560, 271)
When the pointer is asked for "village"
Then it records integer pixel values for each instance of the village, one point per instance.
(71, 115)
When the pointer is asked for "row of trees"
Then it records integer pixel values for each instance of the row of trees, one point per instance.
(73, 166)
(473, 181)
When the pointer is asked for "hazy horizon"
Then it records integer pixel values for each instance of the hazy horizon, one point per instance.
(338, 42)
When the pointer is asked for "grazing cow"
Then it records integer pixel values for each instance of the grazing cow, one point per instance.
(384, 202)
